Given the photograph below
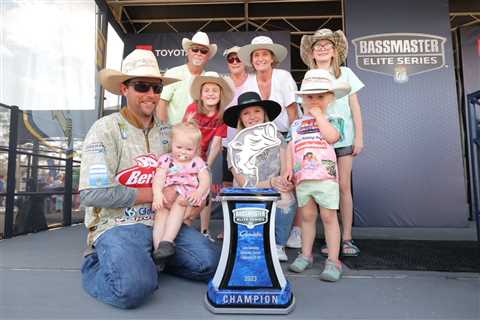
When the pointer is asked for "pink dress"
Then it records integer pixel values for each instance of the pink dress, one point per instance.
(183, 176)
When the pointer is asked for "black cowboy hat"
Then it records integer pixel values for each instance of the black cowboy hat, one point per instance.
(249, 99)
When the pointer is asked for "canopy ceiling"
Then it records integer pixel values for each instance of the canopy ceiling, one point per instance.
(297, 16)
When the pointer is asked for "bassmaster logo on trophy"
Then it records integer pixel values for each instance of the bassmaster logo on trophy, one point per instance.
(400, 55)
(250, 217)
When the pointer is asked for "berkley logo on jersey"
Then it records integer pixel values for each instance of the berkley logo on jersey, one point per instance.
(140, 175)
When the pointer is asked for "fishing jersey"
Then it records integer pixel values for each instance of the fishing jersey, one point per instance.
(118, 152)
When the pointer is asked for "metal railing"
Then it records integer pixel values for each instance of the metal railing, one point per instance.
(36, 197)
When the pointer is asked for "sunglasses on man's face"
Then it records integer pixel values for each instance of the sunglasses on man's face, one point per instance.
(197, 49)
(145, 87)
(232, 60)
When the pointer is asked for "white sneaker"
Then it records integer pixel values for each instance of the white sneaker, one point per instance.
(295, 238)
(282, 256)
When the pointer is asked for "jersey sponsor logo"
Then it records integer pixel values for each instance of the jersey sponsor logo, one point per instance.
(140, 175)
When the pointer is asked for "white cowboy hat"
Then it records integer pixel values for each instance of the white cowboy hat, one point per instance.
(262, 42)
(320, 81)
(138, 64)
(200, 38)
(337, 38)
(212, 77)
(233, 49)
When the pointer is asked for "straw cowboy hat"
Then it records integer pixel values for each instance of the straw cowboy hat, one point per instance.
(200, 38)
(212, 77)
(321, 81)
(249, 99)
(337, 38)
(262, 42)
(233, 49)
(138, 64)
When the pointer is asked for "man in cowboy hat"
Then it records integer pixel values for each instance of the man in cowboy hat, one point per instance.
(176, 98)
(119, 159)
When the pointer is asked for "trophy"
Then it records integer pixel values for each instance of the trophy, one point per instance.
(249, 278)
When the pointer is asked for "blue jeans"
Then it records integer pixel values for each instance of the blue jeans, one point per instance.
(283, 223)
(121, 271)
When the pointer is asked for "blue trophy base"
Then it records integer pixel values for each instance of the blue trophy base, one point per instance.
(252, 301)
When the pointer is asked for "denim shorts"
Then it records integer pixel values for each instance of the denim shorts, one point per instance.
(325, 193)
(344, 151)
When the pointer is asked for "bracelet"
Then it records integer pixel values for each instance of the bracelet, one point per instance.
(270, 182)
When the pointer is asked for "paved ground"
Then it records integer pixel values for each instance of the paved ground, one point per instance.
(40, 279)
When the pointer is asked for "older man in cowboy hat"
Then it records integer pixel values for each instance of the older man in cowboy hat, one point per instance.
(175, 98)
(119, 159)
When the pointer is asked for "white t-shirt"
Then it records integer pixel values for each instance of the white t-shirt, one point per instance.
(238, 91)
(282, 91)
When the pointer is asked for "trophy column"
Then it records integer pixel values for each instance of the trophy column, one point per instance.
(249, 278)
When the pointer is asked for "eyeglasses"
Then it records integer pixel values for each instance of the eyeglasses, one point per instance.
(232, 60)
(145, 87)
(197, 49)
(326, 46)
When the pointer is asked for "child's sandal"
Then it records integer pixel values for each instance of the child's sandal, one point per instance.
(349, 249)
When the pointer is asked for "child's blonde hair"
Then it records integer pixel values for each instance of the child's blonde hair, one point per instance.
(201, 106)
(189, 129)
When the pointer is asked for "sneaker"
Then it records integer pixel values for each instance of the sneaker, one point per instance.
(300, 264)
(282, 256)
(332, 272)
(295, 238)
(207, 235)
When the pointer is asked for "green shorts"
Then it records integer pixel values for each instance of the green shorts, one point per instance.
(325, 193)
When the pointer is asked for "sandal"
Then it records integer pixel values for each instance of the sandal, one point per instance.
(349, 249)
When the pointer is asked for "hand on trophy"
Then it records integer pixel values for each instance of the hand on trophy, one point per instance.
(282, 184)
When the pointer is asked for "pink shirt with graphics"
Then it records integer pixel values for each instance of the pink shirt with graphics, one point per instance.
(314, 158)
(183, 176)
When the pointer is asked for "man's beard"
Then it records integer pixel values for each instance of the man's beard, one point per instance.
(197, 62)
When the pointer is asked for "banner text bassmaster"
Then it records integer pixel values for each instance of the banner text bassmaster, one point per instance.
(402, 51)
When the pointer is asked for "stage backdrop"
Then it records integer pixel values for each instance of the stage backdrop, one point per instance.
(168, 49)
(411, 171)
(168, 46)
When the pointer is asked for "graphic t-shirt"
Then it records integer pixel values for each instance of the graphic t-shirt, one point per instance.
(314, 158)
(209, 126)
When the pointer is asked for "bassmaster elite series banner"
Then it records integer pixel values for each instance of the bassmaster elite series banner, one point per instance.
(410, 173)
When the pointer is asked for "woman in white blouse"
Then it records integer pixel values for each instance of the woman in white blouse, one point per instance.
(271, 83)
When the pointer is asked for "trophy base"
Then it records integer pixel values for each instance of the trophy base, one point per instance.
(252, 301)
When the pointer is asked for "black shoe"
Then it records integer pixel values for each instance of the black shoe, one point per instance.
(165, 249)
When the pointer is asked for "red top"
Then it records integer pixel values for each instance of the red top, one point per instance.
(209, 126)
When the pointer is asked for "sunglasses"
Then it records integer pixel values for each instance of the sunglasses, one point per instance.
(233, 60)
(145, 87)
(197, 49)
(326, 46)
